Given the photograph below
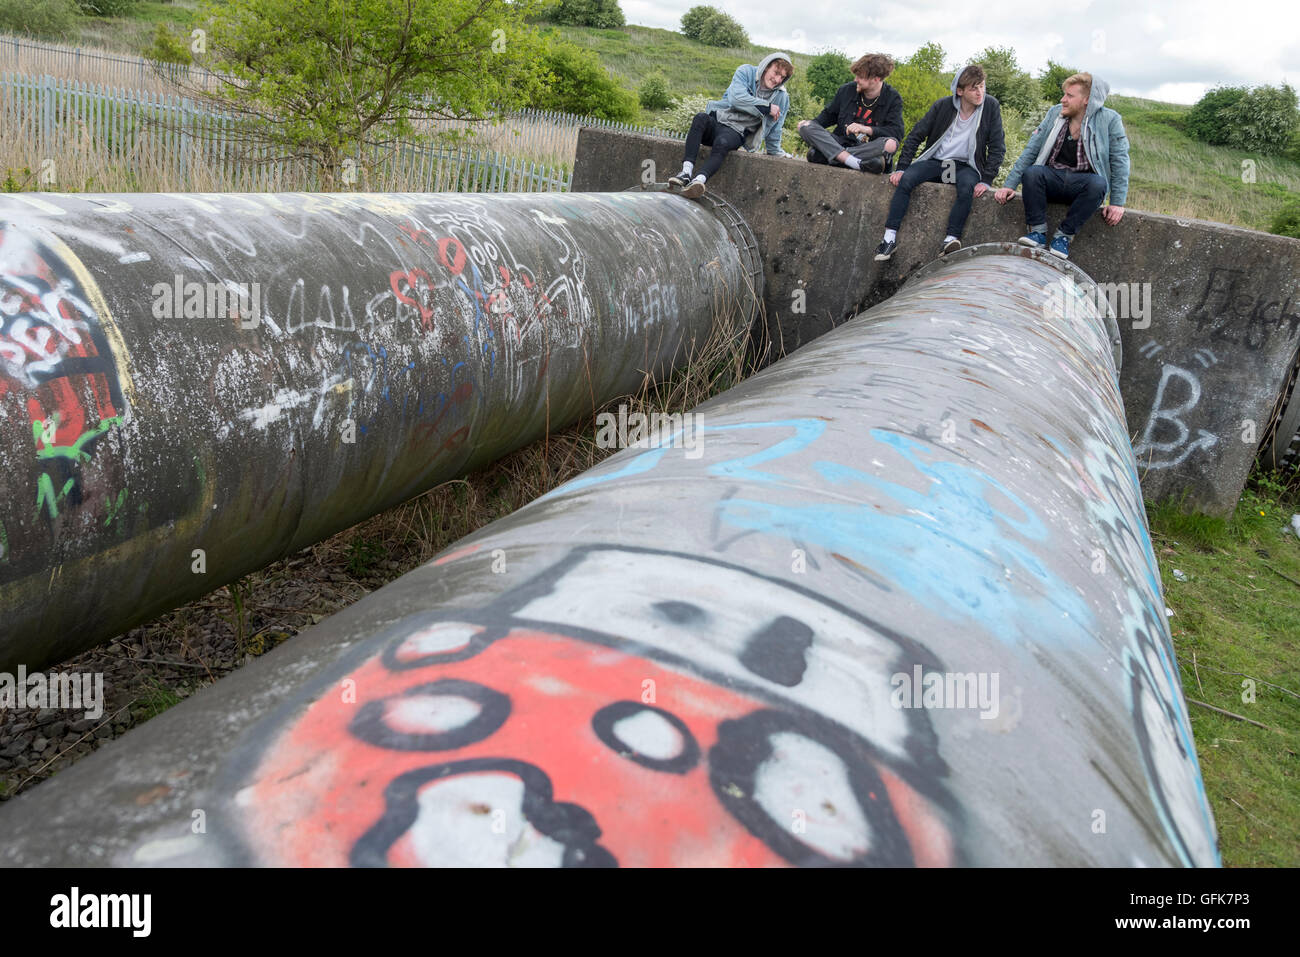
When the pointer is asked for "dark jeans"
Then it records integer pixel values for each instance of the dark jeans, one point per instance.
(722, 139)
(1083, 191)
(931, 171)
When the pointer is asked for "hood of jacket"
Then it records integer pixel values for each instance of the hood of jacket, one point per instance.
(1097, 98)
(764, 63)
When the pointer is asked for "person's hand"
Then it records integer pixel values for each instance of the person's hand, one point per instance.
(1003, 194)
(895, 178)
(981, 189)
(1113, 214)
(801, 124)
(853, 129)
(867, 131)
(776, 111)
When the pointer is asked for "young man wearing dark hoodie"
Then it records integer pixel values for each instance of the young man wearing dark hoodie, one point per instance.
(965, 146)
(750, 113)
(1077, 155)
(865, 116)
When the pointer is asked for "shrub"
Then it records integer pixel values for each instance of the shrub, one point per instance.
(1203, 121)
(589, 13)
(1050, 80)
(919, 88)
(575, 82)
(167, 47)
(1263, 120)
(826, 73)
(928, 58)
(1013, 87)
(653, 93)
(679, 116)
(49, 19)
(1287, 220)
(105, 8)
(712, 27)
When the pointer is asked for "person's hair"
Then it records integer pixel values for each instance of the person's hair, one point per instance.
(1079, 79)
(973, 75)
(873, 64)
(788, 66)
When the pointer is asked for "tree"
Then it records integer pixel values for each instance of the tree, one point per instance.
(589, 13)
(316, 79)
(826, 73)
(928, 58)
(653, 92)
(1263, 120)
(49, 19)
(1050, 80)
(575, 82)
(712, 27)
(1012, 86)
(167, 47)
(919, 88)
(1204, 120)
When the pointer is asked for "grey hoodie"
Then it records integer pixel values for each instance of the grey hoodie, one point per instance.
(745, 107)
(974, 126)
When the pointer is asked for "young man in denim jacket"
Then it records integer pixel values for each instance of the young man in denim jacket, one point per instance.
(1077, 155)
(750, 113)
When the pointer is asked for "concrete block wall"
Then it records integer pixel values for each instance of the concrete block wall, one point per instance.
(1210, 328)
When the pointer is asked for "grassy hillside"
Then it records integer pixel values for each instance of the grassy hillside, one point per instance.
(1171, 172)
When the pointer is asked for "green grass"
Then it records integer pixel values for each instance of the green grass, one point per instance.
(153, 701)
(133, 32)
(1237, 618)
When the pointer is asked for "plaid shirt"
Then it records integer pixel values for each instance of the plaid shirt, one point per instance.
(1081, 163)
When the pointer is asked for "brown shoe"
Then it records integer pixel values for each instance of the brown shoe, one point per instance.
(695, 190)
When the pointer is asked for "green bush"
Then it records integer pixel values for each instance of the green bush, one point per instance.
(575, 82)
(928, 58)
(1050, 80)
(919, 88)
(712, 27)
(653, 92)
(826, 73)
(1012, 86)
(105, 8)
(1263, 120)
(48, 19)
(1287, 220)
(1203, 121)
(167, 47)
(588, 13)
(679, 116)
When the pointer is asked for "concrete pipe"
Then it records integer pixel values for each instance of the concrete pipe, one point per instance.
(192, 386)
(891, 601)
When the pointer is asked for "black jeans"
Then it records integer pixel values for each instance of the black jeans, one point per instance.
(963, 174)
(706, 129)
(1083, 191)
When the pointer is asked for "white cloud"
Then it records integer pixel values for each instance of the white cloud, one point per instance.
(1179, 47)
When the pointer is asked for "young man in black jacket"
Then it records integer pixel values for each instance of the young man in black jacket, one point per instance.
(965, 146)
(866, 115)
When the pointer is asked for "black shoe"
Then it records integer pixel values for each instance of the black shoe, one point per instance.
(695, 190)
(680, 180)
(885, 251)
(951, 246)
(874, 165)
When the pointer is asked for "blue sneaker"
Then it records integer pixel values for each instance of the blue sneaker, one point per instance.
(1061, 246)
(1038, 240)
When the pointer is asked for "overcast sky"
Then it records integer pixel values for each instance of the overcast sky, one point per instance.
(1170, 50)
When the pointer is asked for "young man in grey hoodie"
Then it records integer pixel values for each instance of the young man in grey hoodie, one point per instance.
(750, 113)
(965, 146)
(1077, 155)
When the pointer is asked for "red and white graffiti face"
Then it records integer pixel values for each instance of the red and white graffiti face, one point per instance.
(509, 740)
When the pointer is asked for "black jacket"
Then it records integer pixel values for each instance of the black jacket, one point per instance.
(847, 106)
(990, 147)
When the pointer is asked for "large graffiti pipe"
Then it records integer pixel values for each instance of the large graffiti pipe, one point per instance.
(891, 601)
(192, 386)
